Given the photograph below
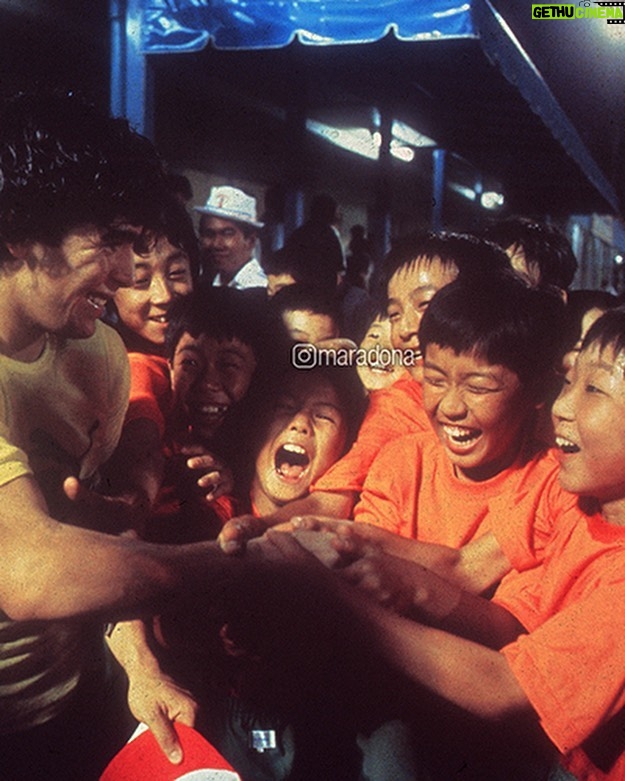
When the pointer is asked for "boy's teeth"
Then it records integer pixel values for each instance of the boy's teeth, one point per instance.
(566, 445)
(294, 448)
(461, 434)
(97, 301)
(213, 409)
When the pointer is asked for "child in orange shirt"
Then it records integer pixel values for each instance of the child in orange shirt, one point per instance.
(490, 345)
(546, 652)
(415, 268)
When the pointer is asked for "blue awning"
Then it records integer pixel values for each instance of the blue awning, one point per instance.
(169, 26)
(151, 27)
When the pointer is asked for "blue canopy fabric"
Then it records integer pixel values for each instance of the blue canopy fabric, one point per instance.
(170, 26)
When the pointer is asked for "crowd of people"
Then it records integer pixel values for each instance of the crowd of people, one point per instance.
(400, 565)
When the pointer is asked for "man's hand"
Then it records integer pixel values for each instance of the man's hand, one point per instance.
(216, 478)
(156, 700)
(110, 514)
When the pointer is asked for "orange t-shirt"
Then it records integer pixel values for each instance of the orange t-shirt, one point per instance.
(571, 665)
(178, 515)
(150, 389)
(392, 413)
(412, 490)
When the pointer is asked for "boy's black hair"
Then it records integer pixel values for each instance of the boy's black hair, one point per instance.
(343, 379)
(608, 331)
(300, 263)
(64, 164)
(577, 304)
(221, 312)
(499, 317)
(180, 186)
(305, 298)
(543, 245)
(177, 227)
(461, 251)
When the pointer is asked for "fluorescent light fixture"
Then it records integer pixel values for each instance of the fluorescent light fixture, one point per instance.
(401, 152)
(367, 143)
(492, 200)
(408, 135)
(355, 139)
(618, 259)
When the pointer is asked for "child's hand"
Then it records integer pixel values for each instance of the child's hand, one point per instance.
(236, 533)
(350, 540)
(390, 581)
(217, 479)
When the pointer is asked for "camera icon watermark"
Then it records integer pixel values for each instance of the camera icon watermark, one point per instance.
(309, 356)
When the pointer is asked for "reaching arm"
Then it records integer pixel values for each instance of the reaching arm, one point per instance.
(473, 568)
(461, 671)
(466, 673)
(52, 570)
(153, 697)
(238, 531)
(418, 593)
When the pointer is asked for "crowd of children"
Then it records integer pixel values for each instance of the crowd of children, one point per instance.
(452, 479)
(403, 566)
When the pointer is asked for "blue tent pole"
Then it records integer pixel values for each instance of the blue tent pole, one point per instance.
(438, 188)
(131, 77)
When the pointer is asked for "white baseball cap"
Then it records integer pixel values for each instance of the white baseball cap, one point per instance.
(231, 204)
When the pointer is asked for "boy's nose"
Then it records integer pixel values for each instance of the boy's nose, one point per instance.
(210, 378)
(159, 291)
(409, 325)
(452, 404)
(562, 406)
(300, 423)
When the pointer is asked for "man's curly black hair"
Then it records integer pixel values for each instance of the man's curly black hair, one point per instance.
(64, 163)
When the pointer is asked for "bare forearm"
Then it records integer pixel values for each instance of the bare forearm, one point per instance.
(470, 675)
(474, 567)
(444, 605)
(52, 570)
(129, 644)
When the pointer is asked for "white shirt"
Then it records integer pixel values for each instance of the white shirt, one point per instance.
(249, 275)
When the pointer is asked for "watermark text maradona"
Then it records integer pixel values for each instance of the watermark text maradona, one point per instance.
(308, 356)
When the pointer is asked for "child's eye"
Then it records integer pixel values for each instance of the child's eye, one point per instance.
(393, 314)
(593, 389)
(480, 389)
(142, 283)
(435, 382)
(230, 365)
(177, 274)
(189, 363)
